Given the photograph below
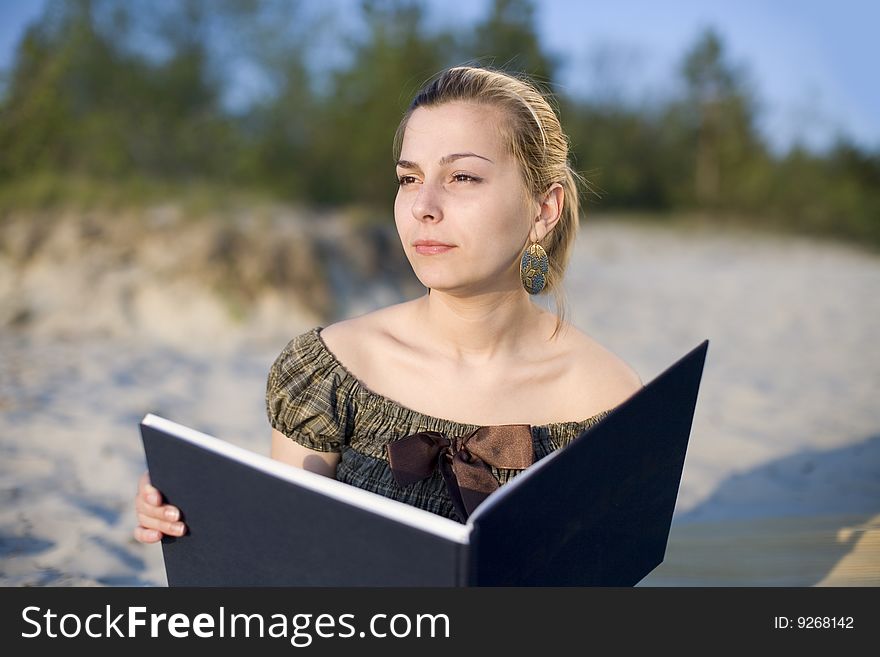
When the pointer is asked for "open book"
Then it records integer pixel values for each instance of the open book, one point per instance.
(594, 513)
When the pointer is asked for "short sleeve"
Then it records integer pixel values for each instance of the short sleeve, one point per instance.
(308, 395)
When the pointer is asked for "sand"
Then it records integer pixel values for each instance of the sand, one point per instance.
(782, 479)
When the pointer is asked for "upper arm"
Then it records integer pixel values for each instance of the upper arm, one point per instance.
(308, 402)
(287, 451)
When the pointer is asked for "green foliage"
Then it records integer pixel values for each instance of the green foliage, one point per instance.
(80, 103)
(54, 192)
(623, 155)
(111, 102)
(721, 113)
(352, 158)
(507, 40)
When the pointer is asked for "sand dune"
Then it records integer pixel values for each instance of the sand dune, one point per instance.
(783, 467)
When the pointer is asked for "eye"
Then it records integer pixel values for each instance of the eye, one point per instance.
(406, 180)
(464, 177)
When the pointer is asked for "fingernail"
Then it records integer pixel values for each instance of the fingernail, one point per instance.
(153, 499)
(177, 527)
(172, 514)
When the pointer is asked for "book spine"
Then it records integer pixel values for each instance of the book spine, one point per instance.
(470, 559)
(463, 561)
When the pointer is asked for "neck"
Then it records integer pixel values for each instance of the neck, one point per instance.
(479, 328)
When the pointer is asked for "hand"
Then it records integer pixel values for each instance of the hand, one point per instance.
(156, 519)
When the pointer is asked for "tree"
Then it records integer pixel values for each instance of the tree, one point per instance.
(506, 39)
(366, 100)
(81, 101)
(722, 113)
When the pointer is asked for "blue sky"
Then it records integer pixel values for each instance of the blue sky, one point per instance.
(813, 63)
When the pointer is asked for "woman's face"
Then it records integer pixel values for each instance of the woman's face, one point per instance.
(462, 191)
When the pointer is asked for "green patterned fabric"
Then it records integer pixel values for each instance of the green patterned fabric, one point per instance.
(314, 400)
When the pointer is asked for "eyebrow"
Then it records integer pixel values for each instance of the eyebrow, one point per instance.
(446, 159)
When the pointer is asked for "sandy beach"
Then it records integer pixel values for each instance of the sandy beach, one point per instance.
(781, 485)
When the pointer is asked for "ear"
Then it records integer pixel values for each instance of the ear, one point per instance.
(549, 212)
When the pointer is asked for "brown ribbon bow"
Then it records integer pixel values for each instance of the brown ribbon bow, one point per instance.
(462, 460)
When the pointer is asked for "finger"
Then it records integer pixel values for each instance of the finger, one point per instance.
(166, 527)
(149, 497)
(170, 513)
(141, 505)
(164, 512)
(148, 491)
(144, 535)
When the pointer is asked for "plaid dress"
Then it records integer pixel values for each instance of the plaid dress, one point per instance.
(313, 399)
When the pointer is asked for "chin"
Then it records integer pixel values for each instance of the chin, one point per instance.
(458, 287)
(441, 284)
(450, 279)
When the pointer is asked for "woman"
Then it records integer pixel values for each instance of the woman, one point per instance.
(398, 401)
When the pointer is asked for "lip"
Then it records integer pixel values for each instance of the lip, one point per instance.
(431, 247)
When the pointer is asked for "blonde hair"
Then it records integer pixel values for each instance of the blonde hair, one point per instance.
(533, 135)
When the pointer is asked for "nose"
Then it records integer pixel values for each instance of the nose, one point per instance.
(427, 206)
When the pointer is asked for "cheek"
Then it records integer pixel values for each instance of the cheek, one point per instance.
(508, 221)
(401, 222)
(398, 212)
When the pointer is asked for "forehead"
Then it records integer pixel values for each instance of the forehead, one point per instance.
(432, 132)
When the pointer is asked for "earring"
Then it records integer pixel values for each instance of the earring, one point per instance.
(533, 268)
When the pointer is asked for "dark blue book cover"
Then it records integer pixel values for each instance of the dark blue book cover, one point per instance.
(595, 513)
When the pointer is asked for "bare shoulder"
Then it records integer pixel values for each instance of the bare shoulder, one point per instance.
(598, 371)
(357, 341)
